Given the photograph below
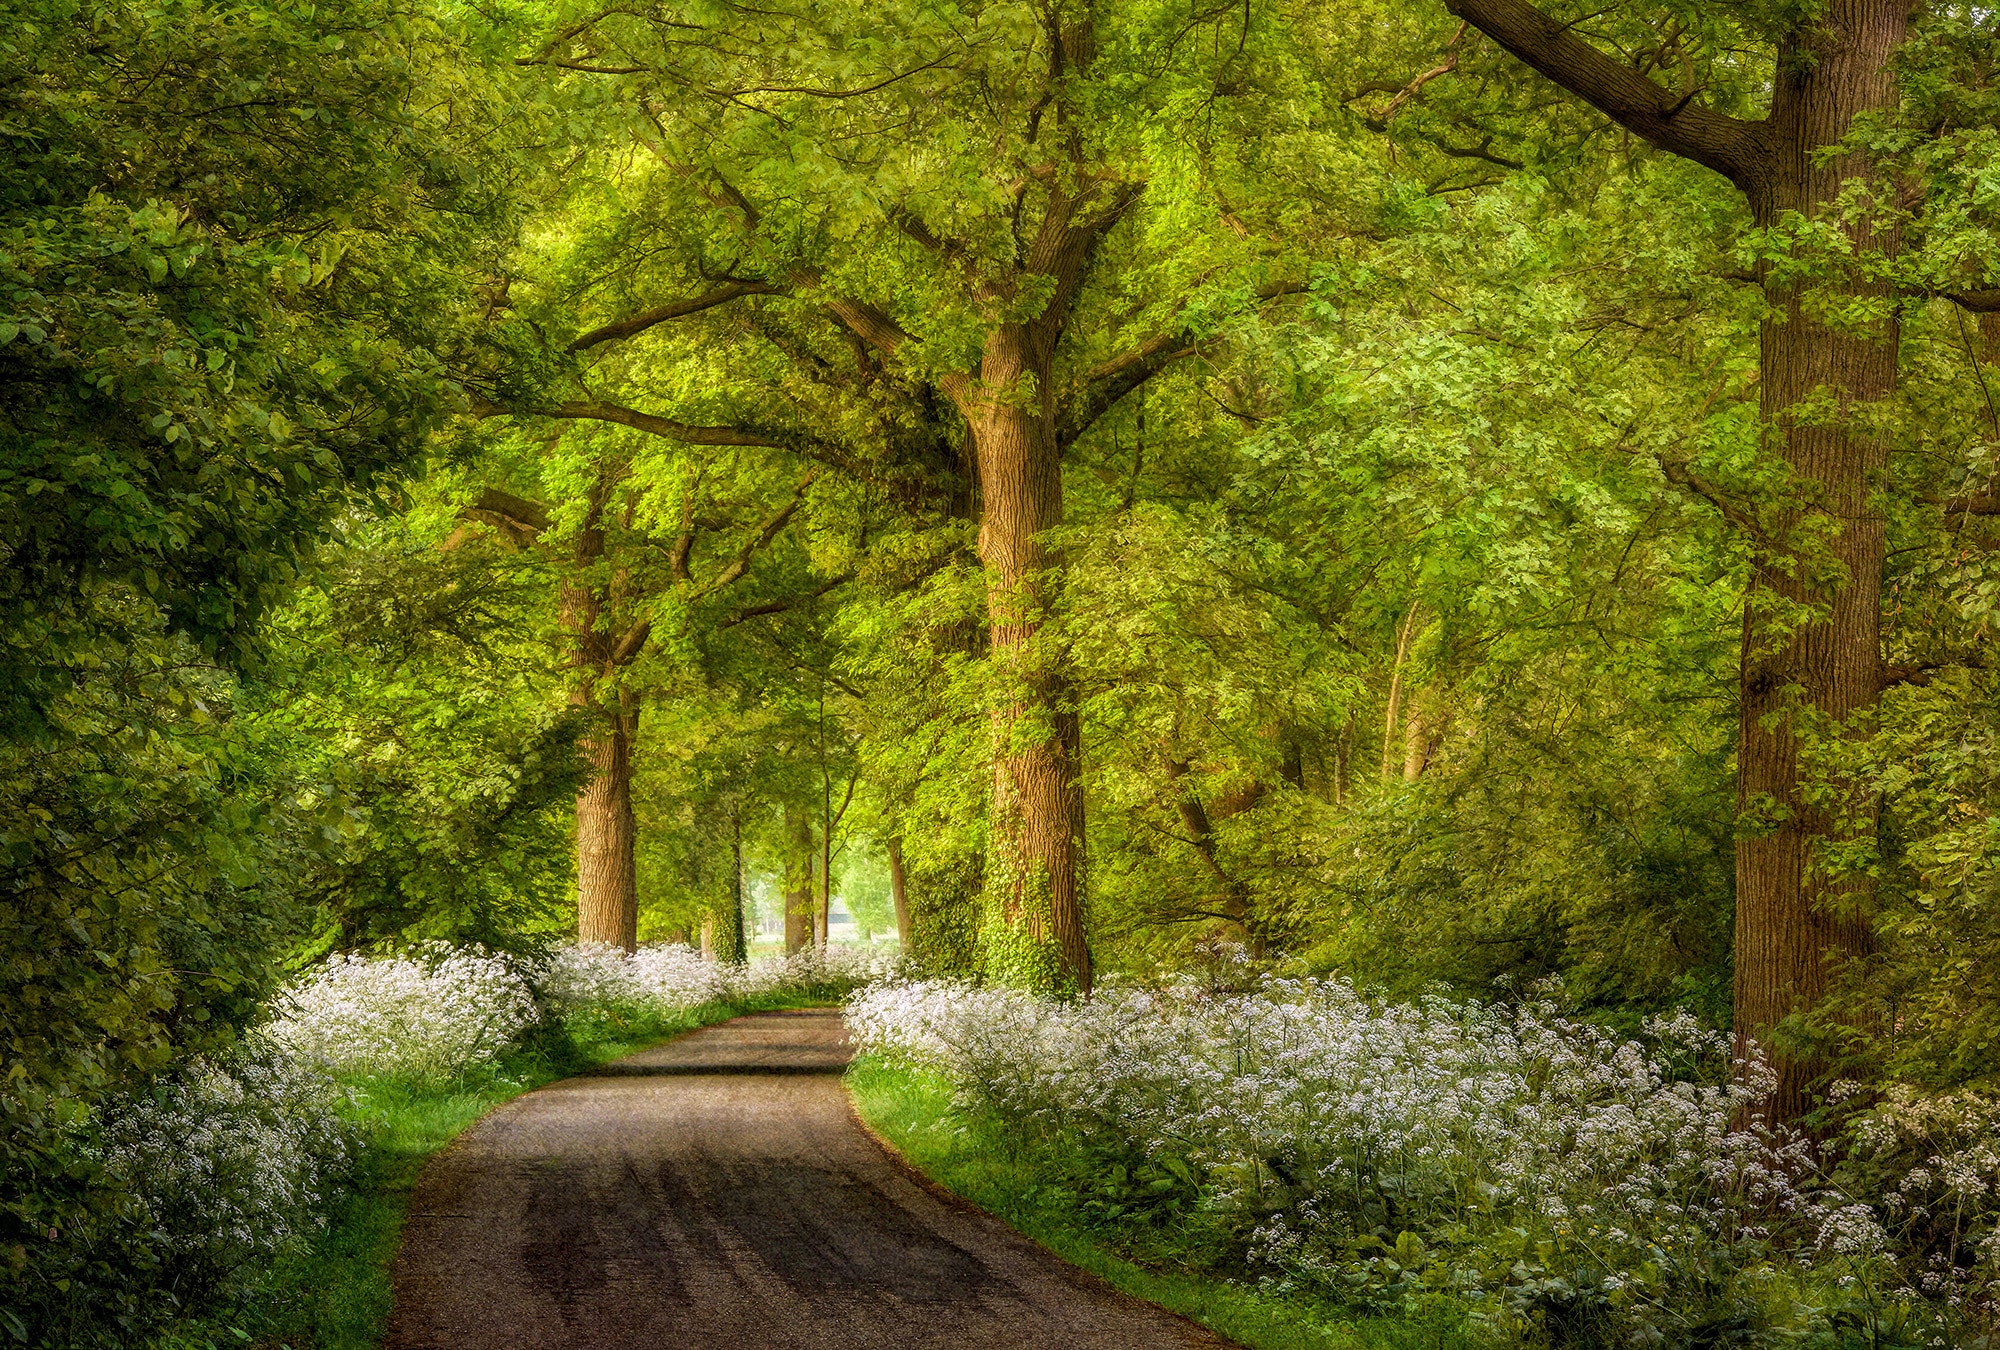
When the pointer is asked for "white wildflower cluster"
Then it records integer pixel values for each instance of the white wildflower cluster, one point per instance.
(433, 1014)
(1501, 1153)
(228, 1164)
(1935, 1162)
(670, 976)
(815, 972)
(427, 1017)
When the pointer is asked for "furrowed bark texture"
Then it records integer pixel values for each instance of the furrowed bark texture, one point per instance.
(1037, 796)
(607, 886)
(1795, 923)
(607, 908)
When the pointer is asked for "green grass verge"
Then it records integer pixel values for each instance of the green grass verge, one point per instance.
(1029, 1190)
(335, 1294)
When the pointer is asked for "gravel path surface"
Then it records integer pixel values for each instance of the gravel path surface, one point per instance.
(717, 1191)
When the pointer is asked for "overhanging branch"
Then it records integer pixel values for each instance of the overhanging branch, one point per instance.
(781, 606)
(1732, 147)
(740, 565)
(516, 517)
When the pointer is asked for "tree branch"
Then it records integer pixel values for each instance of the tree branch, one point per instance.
(639, 323)
(868, 323)
(816, 92)
(1126, 373)
(1734, 148)
(1111, 380)
(595, 410)
(780, 606)
(1976, 302)
(1680, 475)
(736, 570)
(518, 518)
(629, 645)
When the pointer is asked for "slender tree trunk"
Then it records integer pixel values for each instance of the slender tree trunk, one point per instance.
(1233, 893)
(1404, 636)
(1794, 922)
(739, 944)
(798, 880)
(899, 892)
(823, 919)
(1037, 817)
(607, 888)
(1416, 743)
(1292, 764)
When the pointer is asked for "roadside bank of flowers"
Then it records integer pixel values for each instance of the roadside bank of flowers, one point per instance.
(227, 1172)
(1565, 1186)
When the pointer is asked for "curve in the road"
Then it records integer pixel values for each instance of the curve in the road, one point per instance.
(717, 1192)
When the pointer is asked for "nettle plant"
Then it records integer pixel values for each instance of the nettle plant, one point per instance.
(1567, 1185)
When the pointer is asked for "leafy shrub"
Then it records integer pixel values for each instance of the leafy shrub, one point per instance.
(1573, 1188)
(226, 1166)
(189, 1187)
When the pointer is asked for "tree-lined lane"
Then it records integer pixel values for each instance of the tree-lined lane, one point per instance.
(717, 1192)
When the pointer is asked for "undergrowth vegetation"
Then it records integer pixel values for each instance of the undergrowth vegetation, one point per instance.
(1554, 1184)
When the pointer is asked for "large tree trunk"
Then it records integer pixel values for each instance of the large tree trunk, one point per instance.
(798, 880)
(1037, 814)
(1795, 922)
(607, 887)
(1811, 658)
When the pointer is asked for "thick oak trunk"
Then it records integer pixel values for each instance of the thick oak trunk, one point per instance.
(1795, 922)
(1811, 659)
(1037, 812)
(607, 888)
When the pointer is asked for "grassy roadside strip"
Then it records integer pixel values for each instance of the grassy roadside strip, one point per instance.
(335, 1295)
(975, 1160)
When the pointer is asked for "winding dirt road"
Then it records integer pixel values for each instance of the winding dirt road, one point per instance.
(716, 1191)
